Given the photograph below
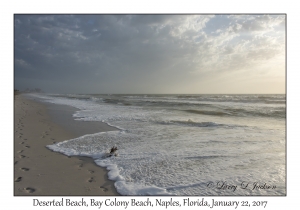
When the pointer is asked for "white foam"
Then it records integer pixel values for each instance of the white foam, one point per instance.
(167, 152)
(136, 189)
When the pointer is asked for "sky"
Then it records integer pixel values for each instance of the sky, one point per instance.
(162, 54)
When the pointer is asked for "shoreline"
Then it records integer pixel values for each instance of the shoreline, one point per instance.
(38, 171)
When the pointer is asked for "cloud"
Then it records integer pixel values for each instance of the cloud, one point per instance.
(131, 52)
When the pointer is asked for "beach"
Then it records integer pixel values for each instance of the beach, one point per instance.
(40, 171)
(62, 140)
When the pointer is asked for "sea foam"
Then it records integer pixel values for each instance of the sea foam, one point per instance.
(165, 150)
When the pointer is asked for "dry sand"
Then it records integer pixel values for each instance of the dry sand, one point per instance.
(38, 170)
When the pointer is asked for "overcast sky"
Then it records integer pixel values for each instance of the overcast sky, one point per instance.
(150, 53)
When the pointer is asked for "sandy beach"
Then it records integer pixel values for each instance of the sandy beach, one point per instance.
(38, 170)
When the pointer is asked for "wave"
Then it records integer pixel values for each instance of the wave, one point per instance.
(256, 99)
(266, 112)
(185, 101)
(188, 104)
(117, 101)
(218, 113)
(205, 157)
(163, 152)
(196, 124)
(194, 100)
(239, 112)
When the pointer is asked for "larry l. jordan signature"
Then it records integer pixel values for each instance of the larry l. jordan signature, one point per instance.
(223, 185)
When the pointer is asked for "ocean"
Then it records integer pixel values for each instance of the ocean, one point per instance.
(187, 145)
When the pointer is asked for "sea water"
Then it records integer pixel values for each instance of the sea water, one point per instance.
(184, 144)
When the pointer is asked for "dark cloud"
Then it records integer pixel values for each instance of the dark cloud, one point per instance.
(137, 53)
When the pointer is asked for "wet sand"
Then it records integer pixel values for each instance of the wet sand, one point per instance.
(38, 170)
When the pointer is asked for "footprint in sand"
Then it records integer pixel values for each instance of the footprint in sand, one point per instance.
(27, 146)
(20, 151)
(29, 189)
(91, 171)
(24, 169)
(18, 179)
(22, 156)
(22, 142)
(103, 188)
(16, 162)
(91, 180)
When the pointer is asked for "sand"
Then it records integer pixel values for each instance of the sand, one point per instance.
(38, 170)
